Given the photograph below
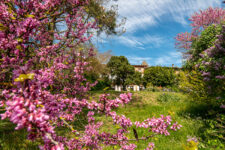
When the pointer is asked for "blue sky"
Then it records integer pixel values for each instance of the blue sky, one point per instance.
(151, 26)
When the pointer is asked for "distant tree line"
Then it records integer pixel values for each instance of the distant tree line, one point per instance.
(118, 71)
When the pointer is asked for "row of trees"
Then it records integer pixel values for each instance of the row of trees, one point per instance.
(122, 73)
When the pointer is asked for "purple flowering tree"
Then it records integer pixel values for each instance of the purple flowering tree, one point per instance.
(212, 66)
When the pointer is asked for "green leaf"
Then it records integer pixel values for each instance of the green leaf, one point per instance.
(30, 16)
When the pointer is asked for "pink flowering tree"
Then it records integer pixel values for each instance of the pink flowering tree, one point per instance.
(199, 21)
(43, 87)
(204, 48)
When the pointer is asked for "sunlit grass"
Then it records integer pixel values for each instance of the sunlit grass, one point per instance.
(143, 105)
(14, 140)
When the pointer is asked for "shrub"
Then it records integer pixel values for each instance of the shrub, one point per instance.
(159, 76)
(193, 84)
(214, 133)
(166, 97)
(172, 89)
(102, 84)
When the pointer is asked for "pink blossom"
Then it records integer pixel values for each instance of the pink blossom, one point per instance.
(151, 146)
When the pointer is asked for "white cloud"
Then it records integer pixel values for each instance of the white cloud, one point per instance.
(153, 40)
(144, 13)
(129, 41)
(140, 42)
(169, 59)
(136, 22)
(136, 60)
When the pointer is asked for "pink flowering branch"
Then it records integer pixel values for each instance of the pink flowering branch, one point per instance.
(199, 20)
(42, 68)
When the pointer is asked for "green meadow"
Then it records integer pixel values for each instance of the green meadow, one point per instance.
(143, 105)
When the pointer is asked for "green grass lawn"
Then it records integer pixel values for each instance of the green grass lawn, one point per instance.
(143, 105)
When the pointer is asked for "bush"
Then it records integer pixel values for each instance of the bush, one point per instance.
(150, 87)
(172, 89)
(102, 84)
(160, 76)
(166, 97)
(193, 84)
(214, 133)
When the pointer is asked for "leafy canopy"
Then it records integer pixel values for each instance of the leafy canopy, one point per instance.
(120, 69)
(159, 76)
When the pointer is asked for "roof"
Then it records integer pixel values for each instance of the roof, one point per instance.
(140, 66)
(143, 65)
